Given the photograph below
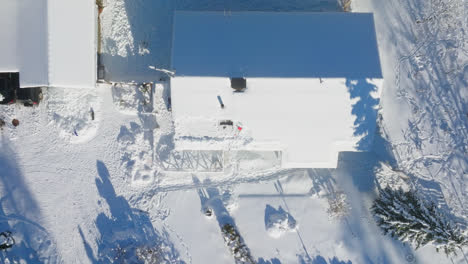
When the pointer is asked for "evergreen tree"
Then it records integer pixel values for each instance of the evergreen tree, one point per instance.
(403, 215)
(6, 240)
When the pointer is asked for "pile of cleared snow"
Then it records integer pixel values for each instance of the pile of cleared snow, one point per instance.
(137, 152)
(117, 36)
(74, 113)
(132, 98)
(278, 221)
(1, 97)
(136, 139)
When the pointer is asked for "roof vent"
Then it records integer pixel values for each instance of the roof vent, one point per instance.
(239, 84)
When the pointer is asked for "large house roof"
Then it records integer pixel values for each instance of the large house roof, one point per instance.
(312, 84)
(49, 42)
(261, 44)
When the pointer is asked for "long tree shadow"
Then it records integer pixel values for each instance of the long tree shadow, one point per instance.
(210, 199)
(430, 75)
(322, 180)
(19, 214)
(126, 235)
(365, 110)
(383, 151)
(211, 203)
(356, 175)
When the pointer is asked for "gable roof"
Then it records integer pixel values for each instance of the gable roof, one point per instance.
(261, 44)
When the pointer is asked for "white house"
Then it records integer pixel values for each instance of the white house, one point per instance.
(312, 83)
(49, 42)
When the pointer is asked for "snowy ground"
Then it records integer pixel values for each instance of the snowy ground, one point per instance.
(423, 46)
(78, 190)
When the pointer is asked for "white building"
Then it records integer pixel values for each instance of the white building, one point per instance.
(49, 42)
(312, 83)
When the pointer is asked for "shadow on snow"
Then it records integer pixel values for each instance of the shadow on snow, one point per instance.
(356, 175)
(19, 214)
(321, 260)
(127, 234)
(428, 84)
(211, 199)
(365, 110)
(271, 261)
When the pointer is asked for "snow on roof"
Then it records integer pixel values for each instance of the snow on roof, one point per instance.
(23, 40)
(261, 44)
(49, 42)
(72, 43)
(313, 81)
(309, 119)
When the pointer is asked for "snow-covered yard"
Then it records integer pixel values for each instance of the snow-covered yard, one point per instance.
(424, 106)
(92, 176)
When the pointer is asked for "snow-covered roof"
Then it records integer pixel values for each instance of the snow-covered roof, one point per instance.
(310, 120)
(49, 42)
(262, 44)
(313, 82)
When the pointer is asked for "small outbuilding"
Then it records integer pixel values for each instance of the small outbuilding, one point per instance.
(49, 42)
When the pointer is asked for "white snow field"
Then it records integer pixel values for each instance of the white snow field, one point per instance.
(424, 101)
(113, 188)
(47, 45)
